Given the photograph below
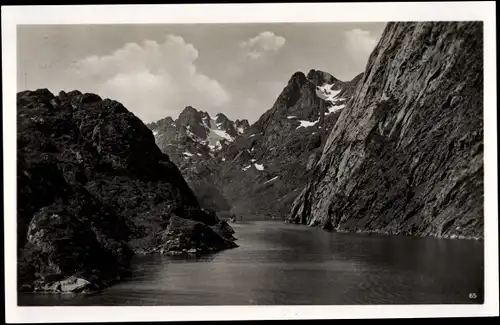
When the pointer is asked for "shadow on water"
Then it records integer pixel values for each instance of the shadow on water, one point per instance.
(283, 264)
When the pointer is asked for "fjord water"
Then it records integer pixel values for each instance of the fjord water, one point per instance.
(283, 264)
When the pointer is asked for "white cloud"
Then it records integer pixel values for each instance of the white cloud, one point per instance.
(153, 80)
(360, 44)
(265, 42)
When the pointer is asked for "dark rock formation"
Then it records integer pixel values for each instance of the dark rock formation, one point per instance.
(406, 156)
(226, 124)
(191, 120)
(184, 236)
(319, 78)
(241, 125)
(93, 187)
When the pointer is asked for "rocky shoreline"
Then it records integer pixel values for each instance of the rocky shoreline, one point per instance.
(381, 232)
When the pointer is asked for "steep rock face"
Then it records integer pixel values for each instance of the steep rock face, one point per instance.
(226, 124)
(191, 119)
(93, 187)
(406, 156)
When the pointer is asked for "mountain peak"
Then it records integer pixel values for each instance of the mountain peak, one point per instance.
(298, 78)
(221, 116)
(319, 78)
(189, 110)
(242, 125)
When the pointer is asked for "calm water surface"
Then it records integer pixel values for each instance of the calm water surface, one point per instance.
(282, 264)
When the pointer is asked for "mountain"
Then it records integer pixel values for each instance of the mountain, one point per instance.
(265, 167)
(406, 156)
(258, 169)
(93, 189)
(195, 134)
(194, 142)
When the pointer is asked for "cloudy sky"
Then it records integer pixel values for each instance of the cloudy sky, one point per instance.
(157, 70)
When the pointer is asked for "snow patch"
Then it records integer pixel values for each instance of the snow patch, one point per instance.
(206, 122)
(259, 166)
(272, 179)
(187, 153)
(218, 145)
(306, 124)
(240, 130)
(325, 92)
(215, 137)
(334, 108)
(191, 135)
(155, 132)
(246, 168)
(223, 134)
(223, 159)
(291, 117)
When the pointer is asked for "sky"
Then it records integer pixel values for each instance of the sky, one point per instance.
(157, 70)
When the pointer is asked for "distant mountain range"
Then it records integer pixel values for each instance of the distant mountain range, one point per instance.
(196, 134)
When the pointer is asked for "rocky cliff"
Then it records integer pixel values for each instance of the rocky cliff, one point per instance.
(93, 189)
(406, 156)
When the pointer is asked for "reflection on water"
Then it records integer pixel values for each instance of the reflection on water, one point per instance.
(282, 264)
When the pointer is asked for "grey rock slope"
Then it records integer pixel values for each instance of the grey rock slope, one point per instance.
(406, 156)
